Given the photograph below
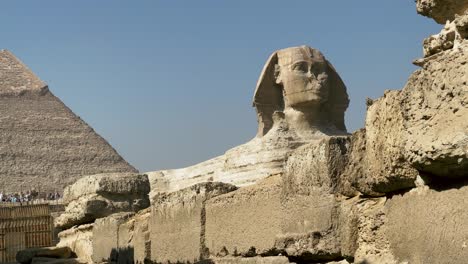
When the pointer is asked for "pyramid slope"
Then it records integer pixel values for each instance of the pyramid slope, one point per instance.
(43, 144)
(15, 77)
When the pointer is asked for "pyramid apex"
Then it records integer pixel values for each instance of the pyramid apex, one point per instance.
(15, 77)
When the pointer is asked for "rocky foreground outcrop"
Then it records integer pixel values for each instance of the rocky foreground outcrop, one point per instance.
(303, 190)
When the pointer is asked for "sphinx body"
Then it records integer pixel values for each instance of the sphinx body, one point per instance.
(299, 99)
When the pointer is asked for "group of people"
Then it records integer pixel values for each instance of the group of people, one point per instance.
(28, 196)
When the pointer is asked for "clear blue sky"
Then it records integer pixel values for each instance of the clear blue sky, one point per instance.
(169, 83)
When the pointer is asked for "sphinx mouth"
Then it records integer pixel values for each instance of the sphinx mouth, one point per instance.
(318, 91)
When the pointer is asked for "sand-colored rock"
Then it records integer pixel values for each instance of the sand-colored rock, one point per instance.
(421, 130)
(441, 10)
(44, 145)
(429, 226)
(252, 260)
(100, 195)
(317, 166)
(106, 237)
(108, 184)
(134, 244)
(299, 98)
(177, 225)
(435, 108)
(25, 256)
(80, 240)
(41, 260)
(301, 226)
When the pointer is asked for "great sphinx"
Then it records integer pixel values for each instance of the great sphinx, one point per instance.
(299, 99)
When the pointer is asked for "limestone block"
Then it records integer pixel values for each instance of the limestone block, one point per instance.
(252, 260)
(79, 240)
(429, 226)
(106, 194)
(263, 220)
(443, 41)
(26, 255)
(441, 10)
(133, 239)
(41, 260)
(177, 225)
(434, 112)
(317, 166)
(106, 237)
(372, 244)
(386, 168)
(108, 184)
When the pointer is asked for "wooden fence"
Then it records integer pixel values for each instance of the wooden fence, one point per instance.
(23, 227)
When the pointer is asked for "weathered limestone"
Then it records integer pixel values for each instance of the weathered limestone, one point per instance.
(435, 109)
(106, 237)
(177, 223)
(452, 36)
(421, 129)
(45, 146)
(100, 195)
(441, 10)
(26, 256)
(317, 166)
(304, 227)
(134, 244)
(41, 260)
(299, 98)
(79, 240)
(429, 226)
(252, 260)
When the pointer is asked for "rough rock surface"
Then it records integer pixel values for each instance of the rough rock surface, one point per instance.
(106, 237)
(441, 10)
(177, 225)
(435, 107)
(44, 145)
(134, 244)
(429, 226)
(252, 260)
(318, 166)
(419, 130)
(25, 256)
(100, 195)
(302, 227)
(41, 260)
(79, 240)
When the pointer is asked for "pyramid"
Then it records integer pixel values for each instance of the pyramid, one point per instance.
(43, 144)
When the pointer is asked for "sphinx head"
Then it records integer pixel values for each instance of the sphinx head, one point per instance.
(300, 78)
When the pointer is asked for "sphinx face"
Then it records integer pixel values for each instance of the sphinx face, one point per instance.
(303, 76)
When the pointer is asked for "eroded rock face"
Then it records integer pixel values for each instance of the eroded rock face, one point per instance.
(425, 226)
(308, 227)
(177, 225)
(100, 195)
(79, 240)
(106, 245)
(435, 107)
(441, 10)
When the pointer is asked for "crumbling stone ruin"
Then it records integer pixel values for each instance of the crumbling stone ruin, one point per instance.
(303, 190)
(44, 145)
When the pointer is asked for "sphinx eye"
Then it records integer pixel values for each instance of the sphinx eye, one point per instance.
(317, 68)
(300, 67)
